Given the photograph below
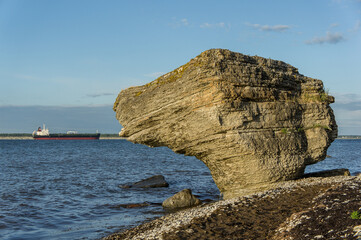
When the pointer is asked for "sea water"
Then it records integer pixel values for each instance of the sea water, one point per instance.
(69, 189)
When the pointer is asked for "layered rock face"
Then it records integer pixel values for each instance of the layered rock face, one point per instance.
(252, 121)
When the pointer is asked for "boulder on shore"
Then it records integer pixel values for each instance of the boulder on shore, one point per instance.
(182, 199)
(152, 182)
(252, 120)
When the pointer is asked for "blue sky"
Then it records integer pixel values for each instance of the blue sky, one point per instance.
(79, 54)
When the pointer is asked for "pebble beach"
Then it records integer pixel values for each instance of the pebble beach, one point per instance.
(312, 208)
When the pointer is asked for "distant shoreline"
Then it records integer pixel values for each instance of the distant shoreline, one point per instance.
(15, 138)
(29, 137)
(349, 137)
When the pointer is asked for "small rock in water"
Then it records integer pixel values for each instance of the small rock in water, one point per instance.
(182, 199)
(133, 205)
(152, 182)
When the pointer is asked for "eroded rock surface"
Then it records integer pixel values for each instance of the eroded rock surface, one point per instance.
(251, 120)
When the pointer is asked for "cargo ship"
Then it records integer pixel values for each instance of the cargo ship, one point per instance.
(44, 134)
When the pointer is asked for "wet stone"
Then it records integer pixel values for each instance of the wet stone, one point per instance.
(152, 182)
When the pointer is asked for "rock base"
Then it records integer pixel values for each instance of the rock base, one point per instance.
(267, 215)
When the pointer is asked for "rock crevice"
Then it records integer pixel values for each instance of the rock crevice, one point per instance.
(251, 120)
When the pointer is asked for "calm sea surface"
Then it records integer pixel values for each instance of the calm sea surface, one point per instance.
(69, 189)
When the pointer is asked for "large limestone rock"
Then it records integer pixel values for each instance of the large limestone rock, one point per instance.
(253, 121)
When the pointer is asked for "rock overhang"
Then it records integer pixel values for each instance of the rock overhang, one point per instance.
(251, 120)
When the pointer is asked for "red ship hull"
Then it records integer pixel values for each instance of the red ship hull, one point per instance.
(67, 138)
(43, 134)
(62, 136)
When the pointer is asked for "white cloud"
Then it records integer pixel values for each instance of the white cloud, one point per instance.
(347, 119)
(48, 79)
(154, 74)
(268, 28)
(20, 119)
(184, 22)
(27, 77)
(213, 25)
(347, 108)
(347, 98)
(329, 38)
(357, 26)
(95, 95)
(179, 23)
